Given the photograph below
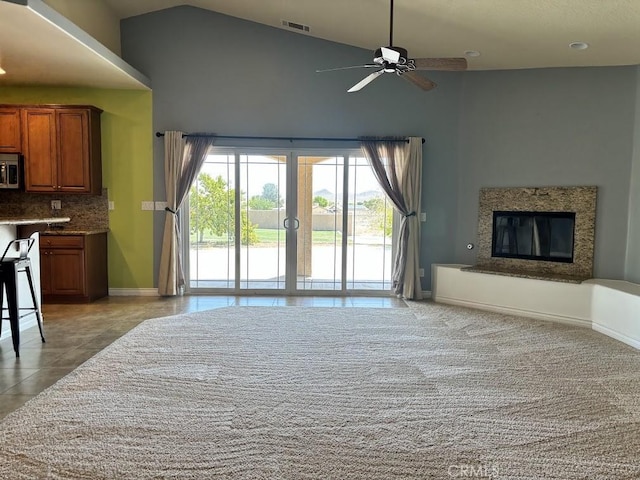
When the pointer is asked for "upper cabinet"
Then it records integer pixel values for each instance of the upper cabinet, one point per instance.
(61, 146)
(40, 149)
(10, 141)
(62, 149)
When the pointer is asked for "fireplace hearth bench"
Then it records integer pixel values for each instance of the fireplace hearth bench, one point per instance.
(608, 306)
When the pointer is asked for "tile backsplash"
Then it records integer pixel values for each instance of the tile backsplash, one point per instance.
(87, 212)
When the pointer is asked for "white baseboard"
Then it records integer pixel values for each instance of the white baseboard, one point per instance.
(617, 335)
(133, 292)
(547, 317)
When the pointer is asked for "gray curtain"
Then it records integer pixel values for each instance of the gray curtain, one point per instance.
(397, 166)
(184, 157)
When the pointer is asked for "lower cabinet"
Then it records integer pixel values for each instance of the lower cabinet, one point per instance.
(73, 268)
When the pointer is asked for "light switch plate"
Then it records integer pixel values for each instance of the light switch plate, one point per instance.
(112, 205)
(423, 216)
(421, 271)
(147, 206)
(161, 205)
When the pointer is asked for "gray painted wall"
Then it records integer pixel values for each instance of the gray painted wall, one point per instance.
(550, 127)
(500, 128)
(235, 77)
(632, 272)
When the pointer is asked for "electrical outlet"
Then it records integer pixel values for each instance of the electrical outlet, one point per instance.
(421, 271)
(147, 206)
(56, 204)
(423, 216)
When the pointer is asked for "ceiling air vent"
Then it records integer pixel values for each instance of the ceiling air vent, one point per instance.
(295, 26)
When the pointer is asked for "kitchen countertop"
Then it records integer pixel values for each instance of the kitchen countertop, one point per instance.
(74, 232)
(32, 221)
(31, 225)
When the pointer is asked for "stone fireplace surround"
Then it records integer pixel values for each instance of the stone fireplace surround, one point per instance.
(581, 200)
(607, 306)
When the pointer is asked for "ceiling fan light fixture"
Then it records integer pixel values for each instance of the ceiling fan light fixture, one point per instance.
(394, 59)
(578, 45)
(471, 53)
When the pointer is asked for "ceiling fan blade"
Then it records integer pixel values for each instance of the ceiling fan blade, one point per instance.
(365, 81)
(452, 64)
(419, 81)
(368, 65)
(389, 55)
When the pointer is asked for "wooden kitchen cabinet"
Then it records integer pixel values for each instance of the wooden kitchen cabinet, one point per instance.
(62, 149)
(10, 139)
(73, 268)
(39, 149)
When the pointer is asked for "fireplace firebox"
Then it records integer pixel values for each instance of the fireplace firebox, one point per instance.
(547, 236)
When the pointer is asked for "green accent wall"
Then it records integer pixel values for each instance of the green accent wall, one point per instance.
(127, 169)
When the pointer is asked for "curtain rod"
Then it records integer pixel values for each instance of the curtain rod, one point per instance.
(291, 139)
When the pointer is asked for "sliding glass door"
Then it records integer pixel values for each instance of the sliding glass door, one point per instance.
(288, 222)
(236, 223)
(263, 216)
(322, 231)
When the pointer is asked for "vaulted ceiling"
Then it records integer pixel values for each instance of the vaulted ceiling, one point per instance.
(508, 34)
(41, 46)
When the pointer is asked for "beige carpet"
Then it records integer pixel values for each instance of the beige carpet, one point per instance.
(429, 391)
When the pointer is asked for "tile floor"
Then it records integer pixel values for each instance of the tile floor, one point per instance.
(75, 333)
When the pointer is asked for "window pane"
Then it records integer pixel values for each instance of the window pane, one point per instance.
(263, 191)
(211, 225)
(369, 243)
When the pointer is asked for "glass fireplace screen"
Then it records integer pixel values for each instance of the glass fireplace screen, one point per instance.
(534, 235)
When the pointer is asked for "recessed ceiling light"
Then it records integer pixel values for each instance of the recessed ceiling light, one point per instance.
(2, 71)
(579, 45)
(472, 53)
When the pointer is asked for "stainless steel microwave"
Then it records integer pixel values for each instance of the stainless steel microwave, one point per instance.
(10, 171)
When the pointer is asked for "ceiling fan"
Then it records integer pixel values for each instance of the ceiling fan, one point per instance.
(393, 59)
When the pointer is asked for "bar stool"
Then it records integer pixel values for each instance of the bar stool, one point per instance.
(9, 269)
